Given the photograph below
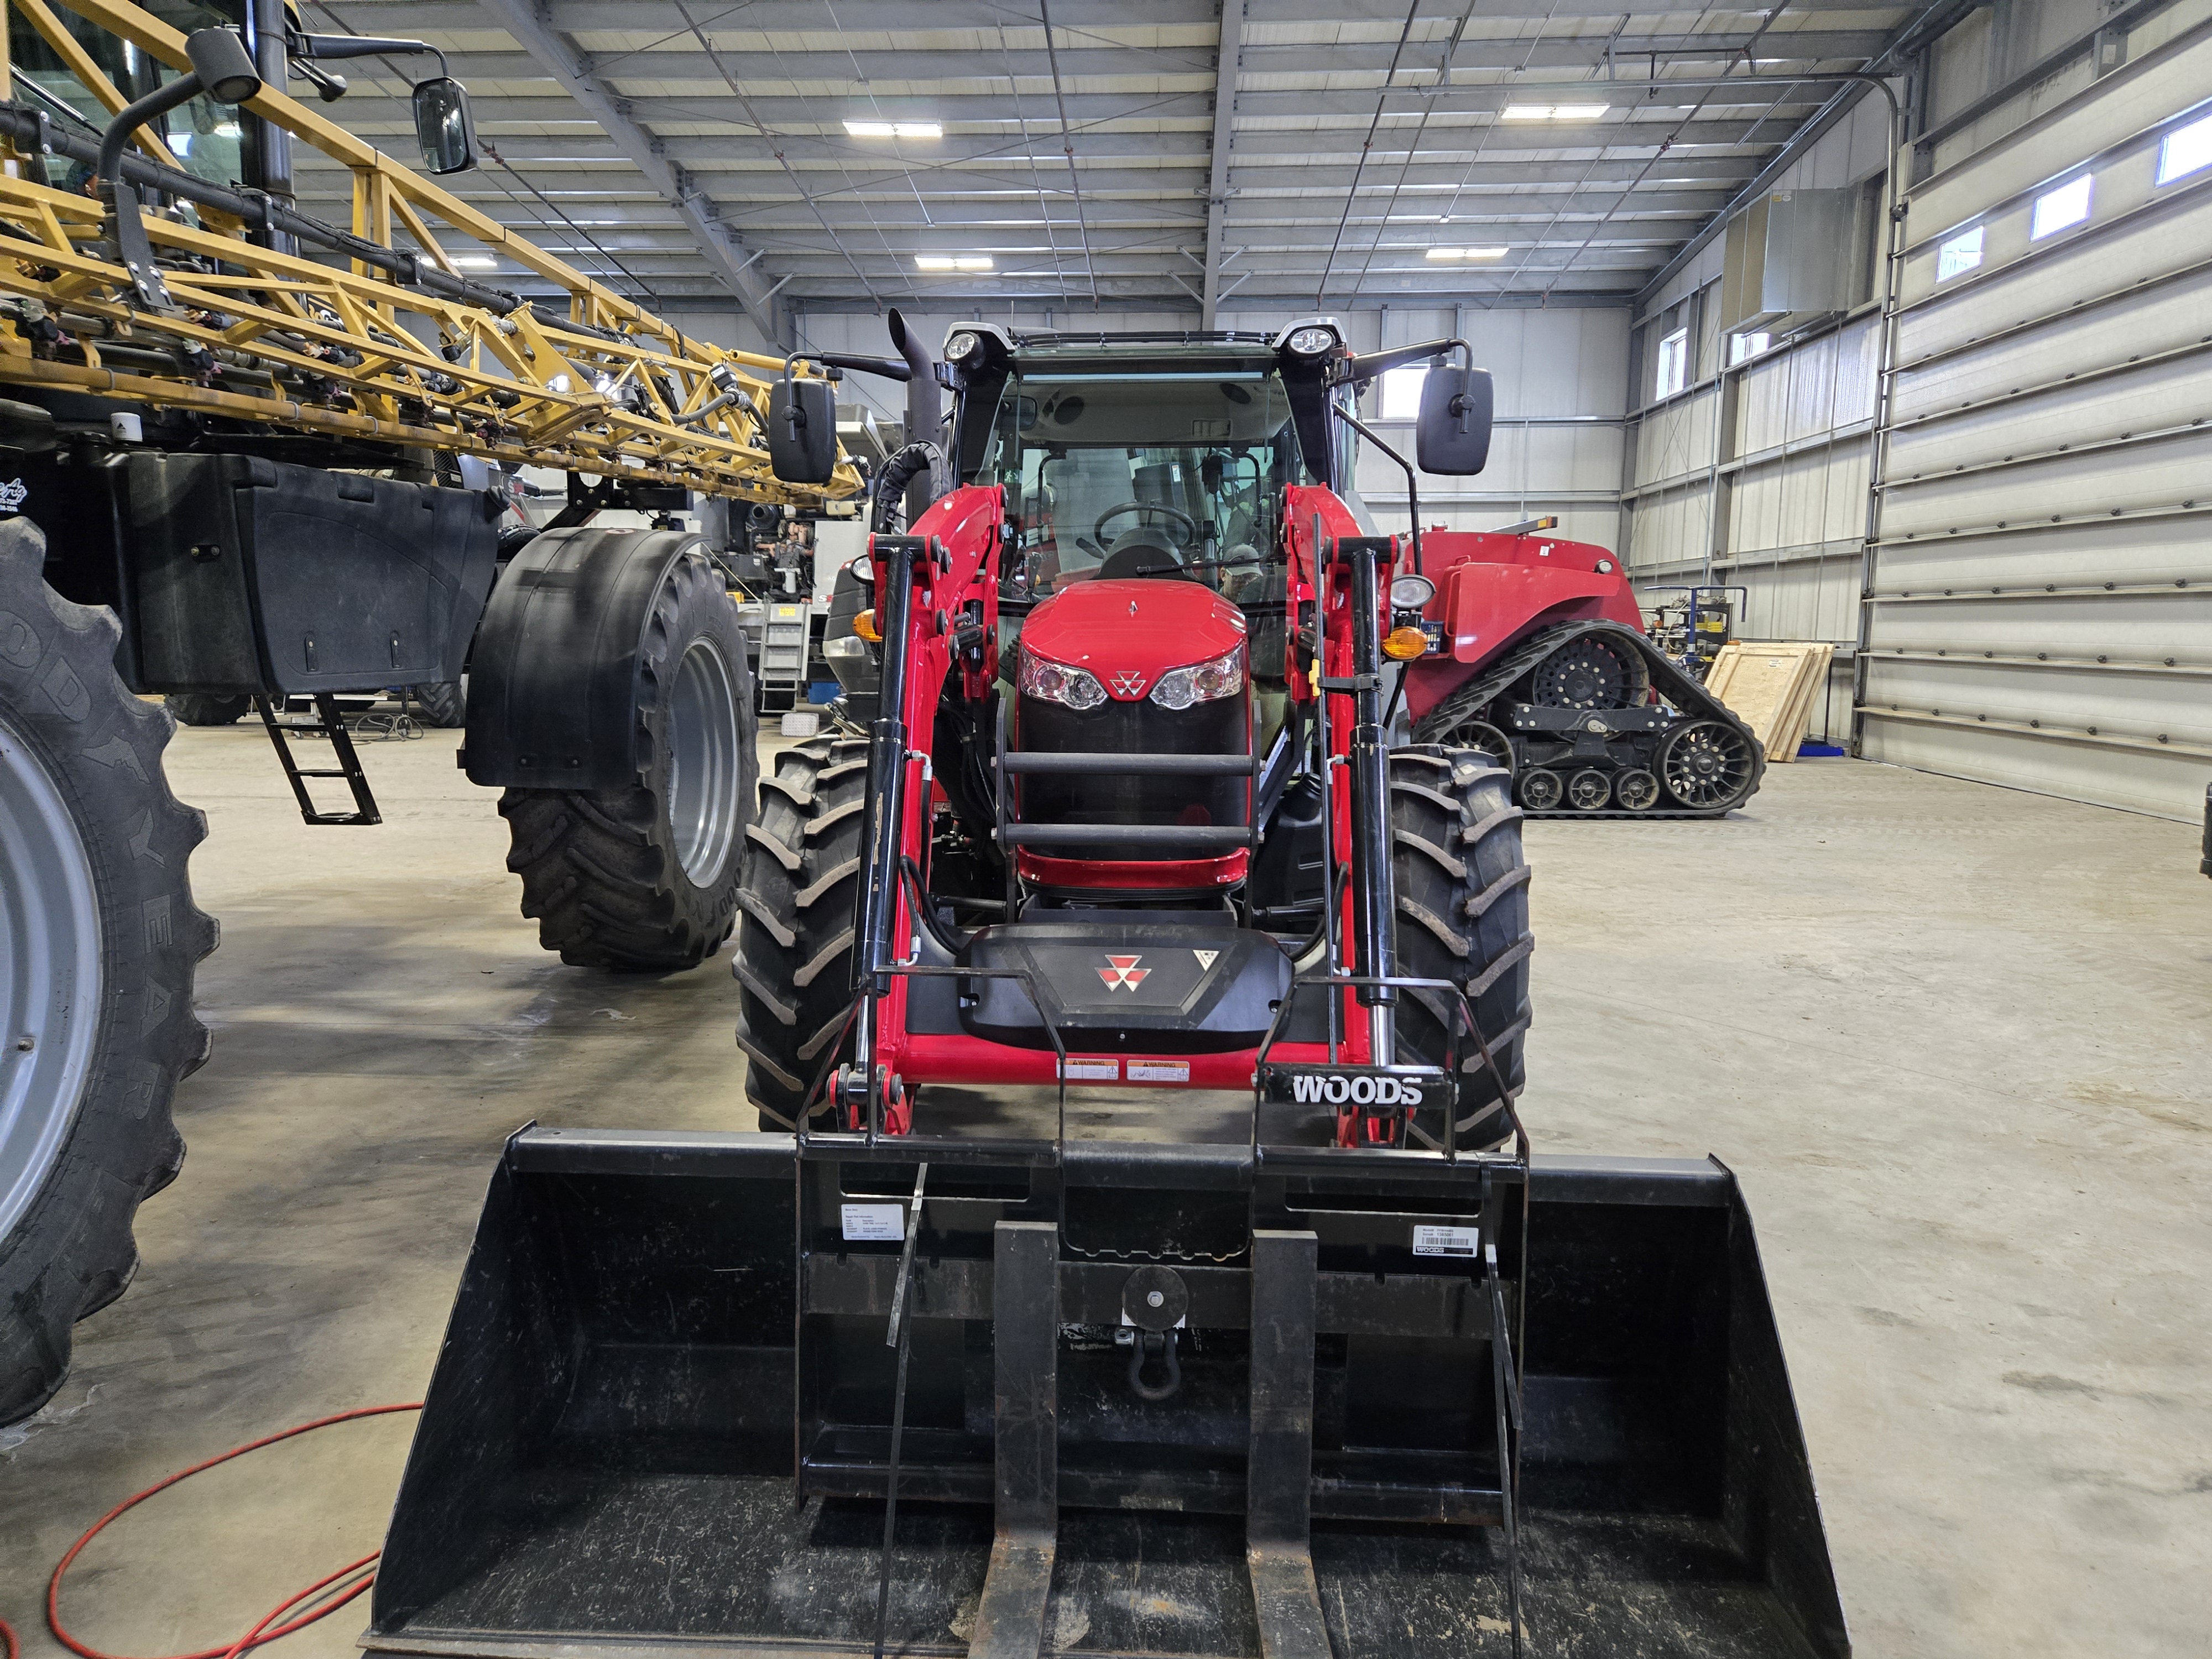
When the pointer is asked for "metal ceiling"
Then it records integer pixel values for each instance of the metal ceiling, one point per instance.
(1151, 154)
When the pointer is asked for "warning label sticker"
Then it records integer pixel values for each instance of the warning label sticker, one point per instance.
(875, 1224)
(1443, 1241)
(1093, 1071)
(1159, 1071)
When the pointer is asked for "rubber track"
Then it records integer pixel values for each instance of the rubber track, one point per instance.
(796, 901)
(1674, 686)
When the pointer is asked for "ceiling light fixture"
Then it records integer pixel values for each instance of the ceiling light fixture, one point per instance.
(952, 261)
(1553, 112)
(894, 128)
(1440, 253)
(475, 262)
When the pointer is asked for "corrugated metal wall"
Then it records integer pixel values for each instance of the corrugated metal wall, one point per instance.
(2041, 587)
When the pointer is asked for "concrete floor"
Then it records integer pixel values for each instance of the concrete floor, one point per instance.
(1954, 1039)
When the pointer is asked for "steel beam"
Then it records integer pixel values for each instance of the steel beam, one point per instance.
(724, 253)
(1225, 125)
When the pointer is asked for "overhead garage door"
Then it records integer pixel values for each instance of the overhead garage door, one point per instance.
(2041, 580)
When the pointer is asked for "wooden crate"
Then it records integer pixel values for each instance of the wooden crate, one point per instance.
(1772, 686)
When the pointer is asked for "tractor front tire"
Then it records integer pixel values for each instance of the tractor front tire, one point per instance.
(801, 893)
(98, 940)
(644, 877)
(1462, 915)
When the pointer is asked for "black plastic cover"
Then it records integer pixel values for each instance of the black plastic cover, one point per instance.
(247, 575)
(553, 686)
(1163, 986)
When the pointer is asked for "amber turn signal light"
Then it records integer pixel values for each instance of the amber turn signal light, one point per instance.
(1405, 643)
(864, 626)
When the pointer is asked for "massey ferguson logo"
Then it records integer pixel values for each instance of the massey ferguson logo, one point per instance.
(1128, 683)
(1322, 1089)
(1122, 972)
(13, 494)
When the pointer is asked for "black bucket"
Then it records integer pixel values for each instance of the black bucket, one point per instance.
(1159, 1400)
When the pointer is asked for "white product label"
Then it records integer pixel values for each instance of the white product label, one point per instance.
(1092, 1071)
(1159, 1071)
(875, 1224)
(1441, 1240)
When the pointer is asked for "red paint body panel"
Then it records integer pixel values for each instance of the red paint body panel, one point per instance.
(1133, 874)
(1492, 591)
(1129, 633)
(975, 1060)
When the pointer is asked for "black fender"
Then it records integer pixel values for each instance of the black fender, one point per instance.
(553, 689)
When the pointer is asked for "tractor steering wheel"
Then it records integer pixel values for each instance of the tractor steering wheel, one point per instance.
(1177, 520)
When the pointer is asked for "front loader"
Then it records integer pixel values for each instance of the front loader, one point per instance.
(1141, 1252)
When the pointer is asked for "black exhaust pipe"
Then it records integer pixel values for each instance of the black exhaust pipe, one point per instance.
(925, 407)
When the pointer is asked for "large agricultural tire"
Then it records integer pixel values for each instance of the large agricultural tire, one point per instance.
(801, 892)
(1463, 890)
(644, 877)
(206, 708)
(98, 940)
(443, 703)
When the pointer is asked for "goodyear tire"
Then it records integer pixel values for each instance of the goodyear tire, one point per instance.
(204, 708)
(644, 877)
(1463, 916)
(98, 940)
(801, 892)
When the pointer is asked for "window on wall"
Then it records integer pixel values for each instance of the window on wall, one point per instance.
(1957, 255)
(2185, 150)
(1674, 364)
(1402, 392)
(2054, 210)
(1749, 344)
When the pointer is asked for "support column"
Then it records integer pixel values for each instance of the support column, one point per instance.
(1279, 1473)
(1025, 1356)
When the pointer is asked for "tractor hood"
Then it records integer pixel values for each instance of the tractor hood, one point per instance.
(1129, 633)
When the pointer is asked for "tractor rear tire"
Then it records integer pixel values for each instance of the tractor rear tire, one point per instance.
(206, 708)
(98, 940)
(644, 877)
(443, 703)
(801, 894)
(1462, 915)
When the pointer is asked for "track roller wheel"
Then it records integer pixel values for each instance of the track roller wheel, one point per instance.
(1708, 765)
(1483, 736)
(1541, 791)
(1463, 916)
(1636, 790)
(1590, 673)
(797, 901)
(1589, 790)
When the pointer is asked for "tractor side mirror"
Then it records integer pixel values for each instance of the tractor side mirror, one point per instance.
(445, 126)
(1451, 437)
(802, 431)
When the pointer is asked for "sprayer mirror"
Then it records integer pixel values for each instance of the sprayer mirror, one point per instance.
(1452, 437)
(444, 125)
(802, 431)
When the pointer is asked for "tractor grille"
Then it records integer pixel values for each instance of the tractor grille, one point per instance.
(1134, 728)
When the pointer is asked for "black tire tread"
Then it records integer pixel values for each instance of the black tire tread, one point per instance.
(72, 1252)
(1463, 919)
(207, 708)
(443, 703)
(599, 874)
(800, 892)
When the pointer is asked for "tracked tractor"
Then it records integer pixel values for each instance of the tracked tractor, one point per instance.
(1141, 1251)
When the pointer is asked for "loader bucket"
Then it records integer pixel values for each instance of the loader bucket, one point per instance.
(664, 1412)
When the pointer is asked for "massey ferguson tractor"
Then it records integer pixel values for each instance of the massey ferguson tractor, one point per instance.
(1141, 1251)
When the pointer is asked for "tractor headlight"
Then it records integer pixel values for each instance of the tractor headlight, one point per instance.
(961, 347)
(1203, 682)
(1310, 341)
(1055, 682)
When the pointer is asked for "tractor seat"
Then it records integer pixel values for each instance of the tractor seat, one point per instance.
(1143, 552)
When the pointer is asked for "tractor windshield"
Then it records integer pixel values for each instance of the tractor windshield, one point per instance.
(1171, 468)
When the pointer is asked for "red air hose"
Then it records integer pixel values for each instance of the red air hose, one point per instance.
(324, 1596)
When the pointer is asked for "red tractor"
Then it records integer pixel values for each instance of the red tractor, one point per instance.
(1141, 1254)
